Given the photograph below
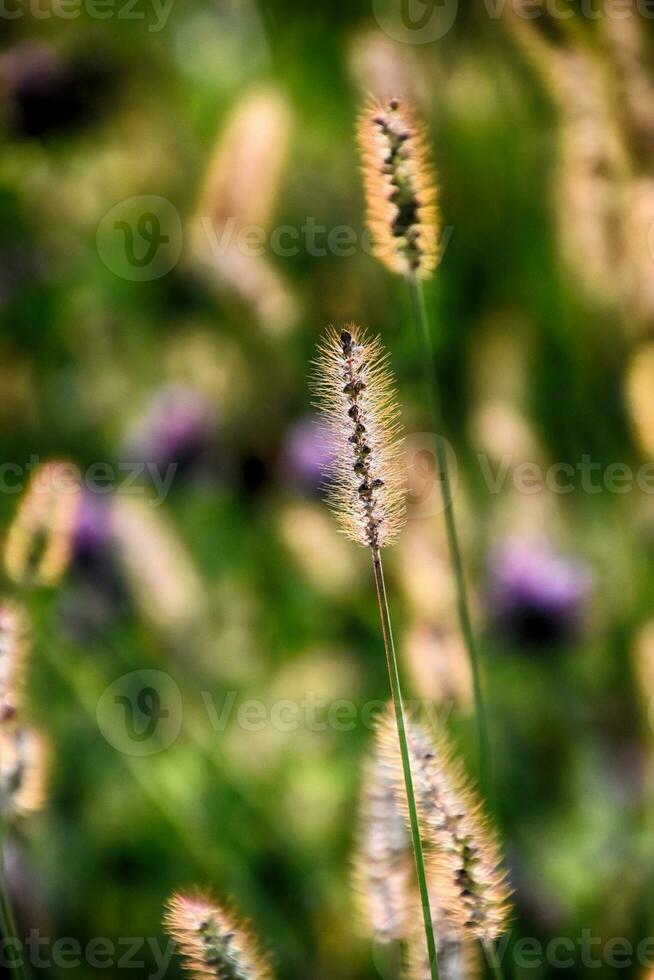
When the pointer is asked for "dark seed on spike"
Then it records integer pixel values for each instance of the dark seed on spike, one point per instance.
(353, 413)
(346, 338)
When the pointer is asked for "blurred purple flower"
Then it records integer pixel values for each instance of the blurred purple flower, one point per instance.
(47, 93)
(95, 593)
(178, 428)
(92, 531)
(306, 454)
(536, 597)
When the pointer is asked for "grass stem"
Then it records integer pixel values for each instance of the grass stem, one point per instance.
(396, 692)
(463, 605)
(8, 924)
(494, 961)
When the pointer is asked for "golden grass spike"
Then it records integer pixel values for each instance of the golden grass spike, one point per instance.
(458, 952)
(211, 940)
(384, 876)
(38, 543)
(640, 396)
(468, 861)
(354, 388)
(24, 764)
(400, 188)
(13, 648)
(165, 583)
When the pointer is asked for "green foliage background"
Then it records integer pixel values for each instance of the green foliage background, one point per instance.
(269, 820)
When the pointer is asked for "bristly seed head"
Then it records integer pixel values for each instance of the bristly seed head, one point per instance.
(469, 875)
(214, 945)
(400, 186)
(355, 394)
(38, 542)
(13, 633)
(24, 768)
(384, 869)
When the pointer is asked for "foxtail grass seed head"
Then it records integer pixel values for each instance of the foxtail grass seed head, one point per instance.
(468, 874)
(384, 878)
(240, 191)
(640, 397)
(400, 187)
(457, 952)
(13, 643)
(39, 540)
(354, 388)
(24, 767)
(213, 944)
(163, 579)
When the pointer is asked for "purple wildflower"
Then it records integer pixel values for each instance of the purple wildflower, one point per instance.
(536, 597)
(306, 454)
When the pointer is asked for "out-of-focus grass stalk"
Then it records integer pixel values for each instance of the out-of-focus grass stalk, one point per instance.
(196, 844)
(396, 691)
(494, 961)
(355, 392)
(463, 604)
(8, 922)
(403, 216)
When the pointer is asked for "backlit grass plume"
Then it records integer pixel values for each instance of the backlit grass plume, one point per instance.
(38, 543)
(402, 212)
(387, 889)
(400, 187)
(354, 387)
(470, 878)
(458, 953)
(12, 656)
(355, 390)
(23, 772)
(384, 876)
(212, 942)
(640, 396)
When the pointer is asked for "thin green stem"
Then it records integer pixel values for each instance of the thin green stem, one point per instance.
(8, 922)
(463, 605)
(494, 961)
(396, 692)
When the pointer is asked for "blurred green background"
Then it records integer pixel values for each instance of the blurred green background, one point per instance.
(542, 312)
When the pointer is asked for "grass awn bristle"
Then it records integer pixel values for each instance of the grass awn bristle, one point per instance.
(400, 189)
(213, 943)
(39, 540)
(384, 875)
(354, 389)
(469, 862)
